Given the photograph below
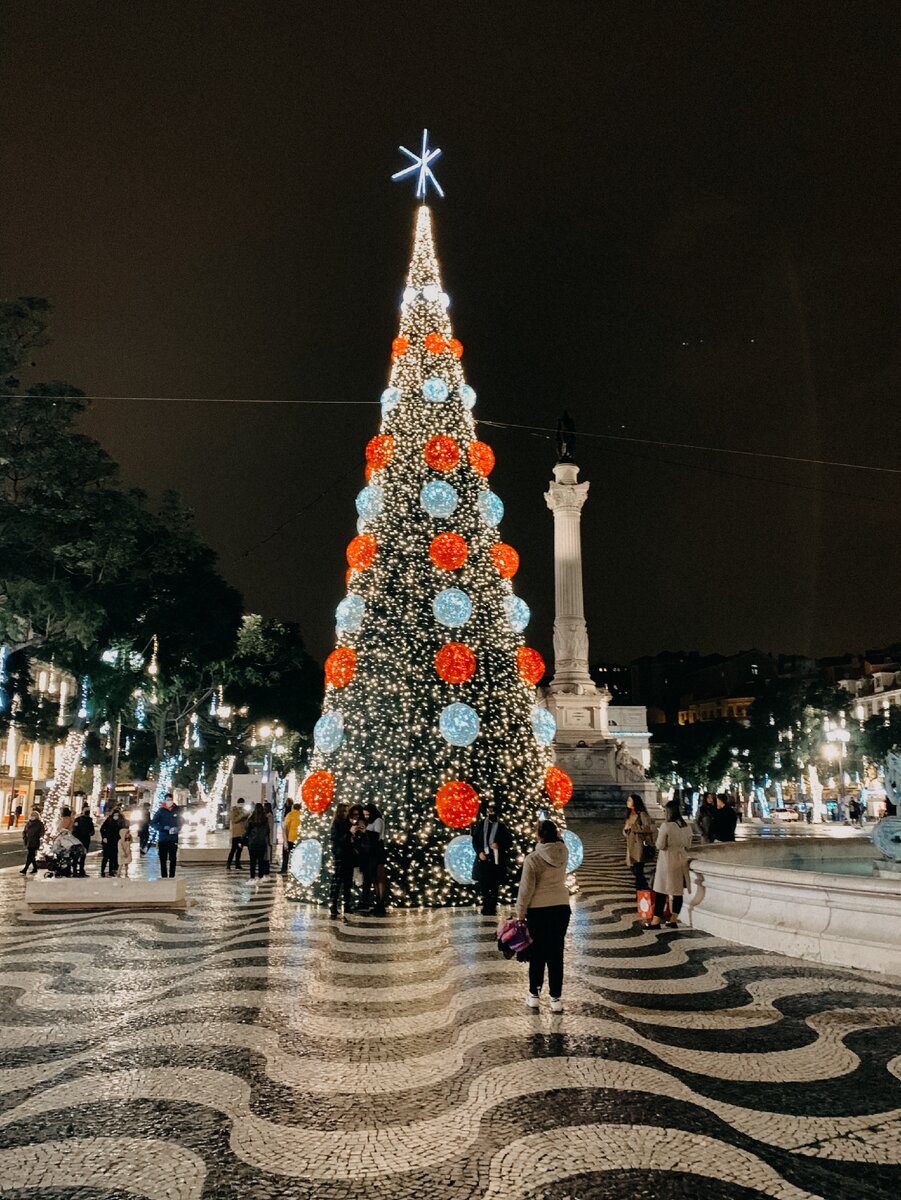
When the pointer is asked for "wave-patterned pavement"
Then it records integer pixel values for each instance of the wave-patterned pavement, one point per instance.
(249, 1046)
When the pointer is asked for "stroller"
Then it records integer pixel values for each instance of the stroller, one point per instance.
(66, 857)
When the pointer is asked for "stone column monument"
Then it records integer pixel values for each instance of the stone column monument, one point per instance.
(601, 766)
(579, 706)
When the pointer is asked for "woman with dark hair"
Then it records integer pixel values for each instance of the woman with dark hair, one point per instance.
(491, 842)
(376, 875)
(543, 903)
(259, 846)
(342, 861)
(706, 813)
(671, 877)
(639, 834)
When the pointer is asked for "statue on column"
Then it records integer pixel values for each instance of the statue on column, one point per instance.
(566, 438)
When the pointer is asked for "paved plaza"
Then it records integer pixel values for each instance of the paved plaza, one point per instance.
(249, 1047)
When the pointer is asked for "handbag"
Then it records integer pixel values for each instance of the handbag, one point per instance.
(513, 938)
(648, 853)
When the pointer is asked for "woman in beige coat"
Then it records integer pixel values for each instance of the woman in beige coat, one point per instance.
(671, 877)
(543, 903)
(639, 834)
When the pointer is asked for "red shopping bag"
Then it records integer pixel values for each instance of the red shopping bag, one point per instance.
(645, 905)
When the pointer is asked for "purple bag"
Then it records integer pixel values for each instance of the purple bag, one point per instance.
(513, 937)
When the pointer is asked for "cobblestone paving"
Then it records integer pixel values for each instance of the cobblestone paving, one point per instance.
(251, 1047)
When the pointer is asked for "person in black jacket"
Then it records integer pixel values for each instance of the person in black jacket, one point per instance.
(491, 840)
(31, 836)
(722, 827)
(167, 823)
(259, 846)
(83, 828)
(109, 840)
(342, 861)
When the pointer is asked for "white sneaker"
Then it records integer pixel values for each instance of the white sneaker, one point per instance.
(556, 1005)
(532, 1001)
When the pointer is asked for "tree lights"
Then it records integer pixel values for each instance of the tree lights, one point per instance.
(430, 705)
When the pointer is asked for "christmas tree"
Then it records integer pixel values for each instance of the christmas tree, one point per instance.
(430, 708)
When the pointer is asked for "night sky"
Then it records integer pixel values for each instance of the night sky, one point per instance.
(679, 220)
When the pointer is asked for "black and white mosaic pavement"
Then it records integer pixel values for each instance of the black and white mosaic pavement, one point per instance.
(251, 1047)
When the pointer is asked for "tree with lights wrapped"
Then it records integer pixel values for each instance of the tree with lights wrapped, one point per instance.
(430, 708)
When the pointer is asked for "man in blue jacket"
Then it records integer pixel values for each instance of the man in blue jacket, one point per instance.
(167, 822)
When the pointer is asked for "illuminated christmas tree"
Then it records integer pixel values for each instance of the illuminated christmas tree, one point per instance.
(430, 706)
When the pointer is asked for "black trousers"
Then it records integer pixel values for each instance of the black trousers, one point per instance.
(31, 858)
(168, 853)
(641, 880)
(259, 860)
(660, 899)
(287, 847)
(235, 853)
(547, 928)
(109, 858)
(342, 880)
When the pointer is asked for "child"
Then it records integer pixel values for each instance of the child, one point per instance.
(125, 844)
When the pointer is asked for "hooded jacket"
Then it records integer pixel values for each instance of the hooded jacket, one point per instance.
(543, 882)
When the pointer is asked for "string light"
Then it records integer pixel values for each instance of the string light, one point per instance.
(411, 682)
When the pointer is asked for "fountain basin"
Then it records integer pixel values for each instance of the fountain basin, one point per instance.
(814, 898)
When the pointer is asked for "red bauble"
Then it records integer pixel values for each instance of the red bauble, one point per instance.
(530, 665)
(368, 472)
(318, 791)
(558, 786)
(457, 804)
(399, 347)
(361, 551)
(455, 663)
(435, 343)
(448, 551)
(380, 451)
(505, 559)
(341, 666)
(441, 453)
(455, 347)
(481, 458)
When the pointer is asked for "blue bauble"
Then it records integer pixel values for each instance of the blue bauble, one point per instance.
(459, 858)
(328, 732)
(452, 607)
(349, 613)
(438, 498)
(306, 861)
(575, 851)
(459, 724)
(390, 399)
(467, 395)
(370, 502)
(491, 506)
(544, 726)
(518, 613)
(435, 390)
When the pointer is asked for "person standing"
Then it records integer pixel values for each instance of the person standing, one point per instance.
(144, 830)
(725, 818)
(377, 876)
(270, 817)
(543, 903)
(706, 813)
(290, 832)
(671, 877)
(109, 843)
(342, 861)
(126, 842)
(83, 828)
(31, 836)
(237, 822)
(258, 844)
(167, 822)
(491, 840)
(639, 834)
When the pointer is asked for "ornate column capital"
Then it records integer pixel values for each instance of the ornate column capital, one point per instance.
(566, 497)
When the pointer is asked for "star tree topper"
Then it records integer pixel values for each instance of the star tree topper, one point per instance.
(420, 165)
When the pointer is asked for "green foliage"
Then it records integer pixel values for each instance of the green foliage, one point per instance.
(273, 676)
(700, 754)
(880, 734)
(785, 728)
